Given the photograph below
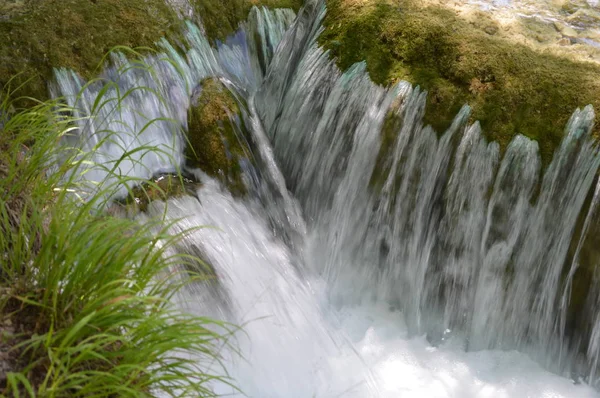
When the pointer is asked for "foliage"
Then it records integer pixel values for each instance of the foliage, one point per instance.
(84, 296)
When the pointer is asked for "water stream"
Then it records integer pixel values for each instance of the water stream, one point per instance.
(430, 266)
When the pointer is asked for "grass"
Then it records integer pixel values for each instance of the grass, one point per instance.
(84, 296)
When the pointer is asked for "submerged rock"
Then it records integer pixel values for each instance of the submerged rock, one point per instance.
(216, 142)
(162, 187)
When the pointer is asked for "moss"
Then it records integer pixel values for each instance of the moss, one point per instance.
(162, 187)
(220, 18)
(510, 87)
(36, 35)
(214, 142)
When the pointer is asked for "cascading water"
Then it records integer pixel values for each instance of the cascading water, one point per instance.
(454, 236)
(349, 258)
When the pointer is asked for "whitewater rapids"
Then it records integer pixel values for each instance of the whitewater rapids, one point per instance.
(294, 345)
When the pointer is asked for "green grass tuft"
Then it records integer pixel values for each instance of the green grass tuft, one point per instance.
(85, 306)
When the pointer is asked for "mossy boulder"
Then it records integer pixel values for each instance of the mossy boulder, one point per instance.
(37, 35)
(512, 88)
(216, 142)
(161, 187)
(220, 18)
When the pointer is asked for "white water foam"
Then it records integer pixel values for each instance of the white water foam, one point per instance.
(412, 368)
(293, 344)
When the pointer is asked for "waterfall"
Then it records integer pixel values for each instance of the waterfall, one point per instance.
(372, 256)
(152, 95)
(454, 233)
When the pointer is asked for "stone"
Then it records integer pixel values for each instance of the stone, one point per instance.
(161, 187)
(215, 134)
(491, 30)
(565, 41)
(585, 18)
(565, 30)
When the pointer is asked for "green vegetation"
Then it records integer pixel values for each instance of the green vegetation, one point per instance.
(84, 296)
(216, 143)
(222, 17)
(37, 35)
(160, 188)
(510, 87)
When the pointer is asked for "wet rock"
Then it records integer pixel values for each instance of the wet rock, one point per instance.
(565, 30)
(162, 187)
(216, 142)
(565, 41)
(585, 18)
(540, 30)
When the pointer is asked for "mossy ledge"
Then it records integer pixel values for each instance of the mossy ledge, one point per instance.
(220, 18)
(511, 88)
(215, 134)
(161, 187)
(38, 35)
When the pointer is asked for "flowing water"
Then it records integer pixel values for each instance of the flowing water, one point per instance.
(426, 266)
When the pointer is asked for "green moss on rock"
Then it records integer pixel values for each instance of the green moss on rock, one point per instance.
(220, 18)
(214, 143)
(511, 88)
(37, 35)
(162, 188)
